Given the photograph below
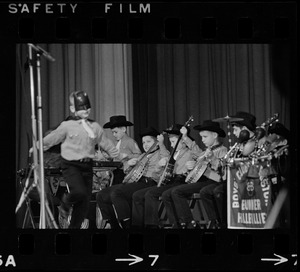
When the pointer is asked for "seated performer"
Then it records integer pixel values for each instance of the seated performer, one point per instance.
(279, 137)
(176, 202)
(78, 138)
(142, 172)
(277, 146)
(214, 196)
(145, 202)
(244, 131)
(126, 145)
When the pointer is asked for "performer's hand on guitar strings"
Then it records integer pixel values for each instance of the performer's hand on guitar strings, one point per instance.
(132, 161)
(162, 162)
(190, 165)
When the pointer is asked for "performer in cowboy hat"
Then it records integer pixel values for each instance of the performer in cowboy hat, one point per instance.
(176, 202)
(127, 146)
(115, 201)
(145, 202)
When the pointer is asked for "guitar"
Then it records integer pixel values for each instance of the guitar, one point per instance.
(275, 153)
(138, 170)
(251, 148)
(200, 166)
(169, 168)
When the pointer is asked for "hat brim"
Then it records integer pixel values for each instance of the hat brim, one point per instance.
(244, 123)
(153, 134)
(220, 131)
(121, 124)
(281, 132)
(176, 132)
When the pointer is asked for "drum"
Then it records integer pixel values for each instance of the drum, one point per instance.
(101, 180)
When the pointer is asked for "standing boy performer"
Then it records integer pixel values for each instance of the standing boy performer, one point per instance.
(78, 138)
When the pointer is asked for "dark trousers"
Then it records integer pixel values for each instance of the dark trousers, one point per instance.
(79, 177)
(220, 193)
(176, 201)
(145, 203)
(212, 198)
(117, 199)
(122, 196)
(104, 202)
(118, 176)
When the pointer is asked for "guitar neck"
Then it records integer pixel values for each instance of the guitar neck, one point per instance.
(175, 148)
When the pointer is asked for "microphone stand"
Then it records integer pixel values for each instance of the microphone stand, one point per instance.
(38, 160)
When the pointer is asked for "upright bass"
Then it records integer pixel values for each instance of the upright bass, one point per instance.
(169, 168)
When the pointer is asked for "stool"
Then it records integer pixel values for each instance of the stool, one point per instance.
(198, 210)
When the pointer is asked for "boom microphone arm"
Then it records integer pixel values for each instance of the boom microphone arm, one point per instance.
(41, 51)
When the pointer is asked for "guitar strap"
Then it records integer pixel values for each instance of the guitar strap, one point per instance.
(148, 160)
(216, 146)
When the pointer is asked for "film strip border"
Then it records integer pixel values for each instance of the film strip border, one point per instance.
(152, 250)
(22, 22)
(148, 22)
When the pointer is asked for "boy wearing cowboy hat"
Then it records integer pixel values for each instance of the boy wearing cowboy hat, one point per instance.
(126, 145)
(176, 202)
(115, 201)
(145, 202)
(244, 132)
(213, 196)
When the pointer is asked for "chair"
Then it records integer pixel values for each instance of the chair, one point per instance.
(198, 210)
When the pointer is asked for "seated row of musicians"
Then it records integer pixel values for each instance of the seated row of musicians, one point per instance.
(135, 202)
(275, 171)
(143, 203)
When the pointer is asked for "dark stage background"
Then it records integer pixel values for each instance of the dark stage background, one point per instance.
(171, 82)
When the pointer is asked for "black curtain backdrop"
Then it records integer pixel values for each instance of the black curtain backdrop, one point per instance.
(173, 81)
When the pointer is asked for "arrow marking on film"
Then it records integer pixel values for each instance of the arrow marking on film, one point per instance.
(280, 260)
(134, 261)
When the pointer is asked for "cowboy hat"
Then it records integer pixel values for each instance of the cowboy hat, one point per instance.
(117, 121)
(211, 126)
(280, 130)
(149, 131)
(248, 120)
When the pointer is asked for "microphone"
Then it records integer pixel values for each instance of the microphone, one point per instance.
(230, 151)
(41, 51)
(244, 136)
(260, 132)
